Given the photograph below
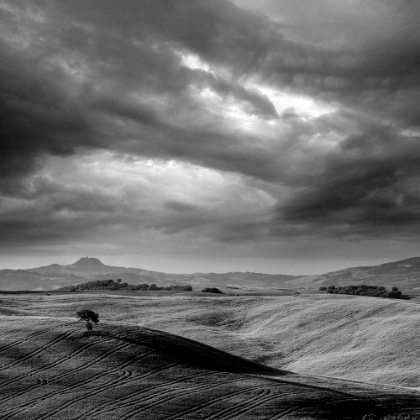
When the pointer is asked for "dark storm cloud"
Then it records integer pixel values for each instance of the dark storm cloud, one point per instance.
(370, 179)
(38, 116)
(118, 48)
(132, 77)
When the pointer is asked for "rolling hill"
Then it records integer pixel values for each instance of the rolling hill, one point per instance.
(51, 370)
(404, 274)
(356, 338)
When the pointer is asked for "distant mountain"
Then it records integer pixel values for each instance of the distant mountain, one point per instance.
(88, 262)
(403, 274)
(87, 266)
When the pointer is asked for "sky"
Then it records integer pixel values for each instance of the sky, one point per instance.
(278, 136)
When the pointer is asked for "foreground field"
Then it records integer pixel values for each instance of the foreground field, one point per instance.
(50, 369)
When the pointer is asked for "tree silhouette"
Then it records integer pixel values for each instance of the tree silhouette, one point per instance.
(88, 316)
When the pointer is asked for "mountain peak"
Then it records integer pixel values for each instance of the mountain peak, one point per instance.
(88, 262)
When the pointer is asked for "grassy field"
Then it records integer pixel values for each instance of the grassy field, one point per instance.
(194, 355)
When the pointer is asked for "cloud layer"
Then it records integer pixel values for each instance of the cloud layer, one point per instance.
(209, 124)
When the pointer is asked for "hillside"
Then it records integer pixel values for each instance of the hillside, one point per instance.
(356, 338)
(404, 274)
(50, 369)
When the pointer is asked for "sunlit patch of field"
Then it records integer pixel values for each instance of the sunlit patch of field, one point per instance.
(47, 364)
(414, 294)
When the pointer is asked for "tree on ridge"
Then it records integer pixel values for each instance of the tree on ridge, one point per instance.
(88, 316)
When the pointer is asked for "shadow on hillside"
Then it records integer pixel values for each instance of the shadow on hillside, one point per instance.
(317, 401)
(190, 352)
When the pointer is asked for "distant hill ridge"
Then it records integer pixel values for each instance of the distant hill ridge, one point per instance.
(404, 274)
(88, 262)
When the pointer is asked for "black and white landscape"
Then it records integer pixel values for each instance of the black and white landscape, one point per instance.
(209, 209)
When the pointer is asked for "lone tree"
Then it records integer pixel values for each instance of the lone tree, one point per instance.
(88, 316)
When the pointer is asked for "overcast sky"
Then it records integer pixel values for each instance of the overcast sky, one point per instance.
(279, 136)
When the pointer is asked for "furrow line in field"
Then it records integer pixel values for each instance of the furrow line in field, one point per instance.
(283, 413)
(39, 350)
(54, 379)
(68, 373)
(71, 388)
(54, 364)
(31, 336)
(181, 414)
(258, 403)
(49, 366)
(294, 408)
(288, 410)
(29, 389)
(93, 391)
(130, 400)
(339, 400)
(242, 406)
(92, 363)
(133, 378)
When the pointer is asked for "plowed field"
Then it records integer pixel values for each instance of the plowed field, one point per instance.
(50, 368)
